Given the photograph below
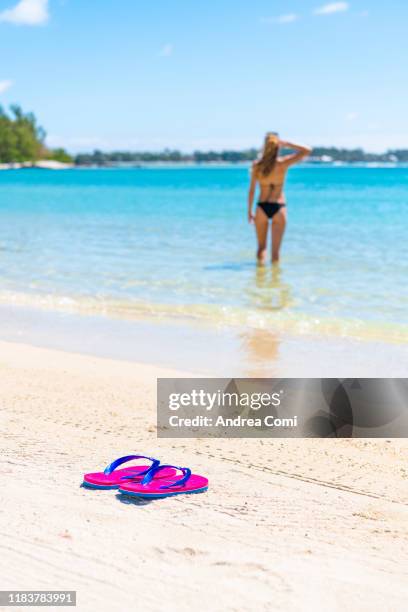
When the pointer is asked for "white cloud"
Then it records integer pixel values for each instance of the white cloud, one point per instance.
(166, 50)
(5, 85)
(27, 12)
(332, 7)
(287, 18)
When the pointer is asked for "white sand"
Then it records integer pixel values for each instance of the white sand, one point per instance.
(305, 525)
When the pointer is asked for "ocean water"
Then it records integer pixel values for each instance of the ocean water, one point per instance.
(175, 243)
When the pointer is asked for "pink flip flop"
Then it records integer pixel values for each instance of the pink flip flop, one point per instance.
(111, 478)
(151, 487)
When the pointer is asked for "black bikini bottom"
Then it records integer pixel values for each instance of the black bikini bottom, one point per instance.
(270, 208)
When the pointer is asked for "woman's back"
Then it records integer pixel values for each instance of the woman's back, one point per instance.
(271, 185)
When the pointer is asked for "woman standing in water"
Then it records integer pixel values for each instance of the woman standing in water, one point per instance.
(270, 172)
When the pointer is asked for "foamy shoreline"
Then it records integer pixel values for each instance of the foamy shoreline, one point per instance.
(42, 164)
(196, 346)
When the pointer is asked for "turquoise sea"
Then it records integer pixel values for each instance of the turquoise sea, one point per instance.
(175, 242)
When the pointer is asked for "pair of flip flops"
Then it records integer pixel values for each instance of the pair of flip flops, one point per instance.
(148, 481)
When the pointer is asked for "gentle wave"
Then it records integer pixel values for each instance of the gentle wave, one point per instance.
(215, 315)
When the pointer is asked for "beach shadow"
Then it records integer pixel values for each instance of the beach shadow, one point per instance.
(232, 266)
(124, 499)
(140, 501)
(133, 501)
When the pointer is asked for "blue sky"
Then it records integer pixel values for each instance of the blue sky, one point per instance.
(135, 75)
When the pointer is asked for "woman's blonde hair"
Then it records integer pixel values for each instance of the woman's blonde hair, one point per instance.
(267, 162)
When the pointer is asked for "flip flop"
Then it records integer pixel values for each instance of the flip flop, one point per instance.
(152, 488)
(111, 478)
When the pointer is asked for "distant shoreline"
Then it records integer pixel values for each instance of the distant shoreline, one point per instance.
(50, 165)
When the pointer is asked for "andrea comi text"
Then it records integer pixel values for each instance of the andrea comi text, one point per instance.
(238, 421)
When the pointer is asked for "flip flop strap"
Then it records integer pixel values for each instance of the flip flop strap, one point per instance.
(112, 466)
(154, 469)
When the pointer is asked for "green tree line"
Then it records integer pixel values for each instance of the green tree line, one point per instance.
(100, 158)
(22, 139)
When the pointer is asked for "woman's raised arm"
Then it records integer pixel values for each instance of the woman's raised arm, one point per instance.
(302, 151)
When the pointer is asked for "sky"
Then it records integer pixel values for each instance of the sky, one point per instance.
(127, 74)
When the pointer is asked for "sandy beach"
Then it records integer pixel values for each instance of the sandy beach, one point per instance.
(299, 525)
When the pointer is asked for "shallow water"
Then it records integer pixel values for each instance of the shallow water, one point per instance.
(175, 242)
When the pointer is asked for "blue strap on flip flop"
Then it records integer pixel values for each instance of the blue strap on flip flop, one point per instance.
(154, 469)
(112, 466)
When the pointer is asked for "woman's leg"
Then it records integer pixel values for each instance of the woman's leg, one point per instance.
(278, 229)
(261, 225)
